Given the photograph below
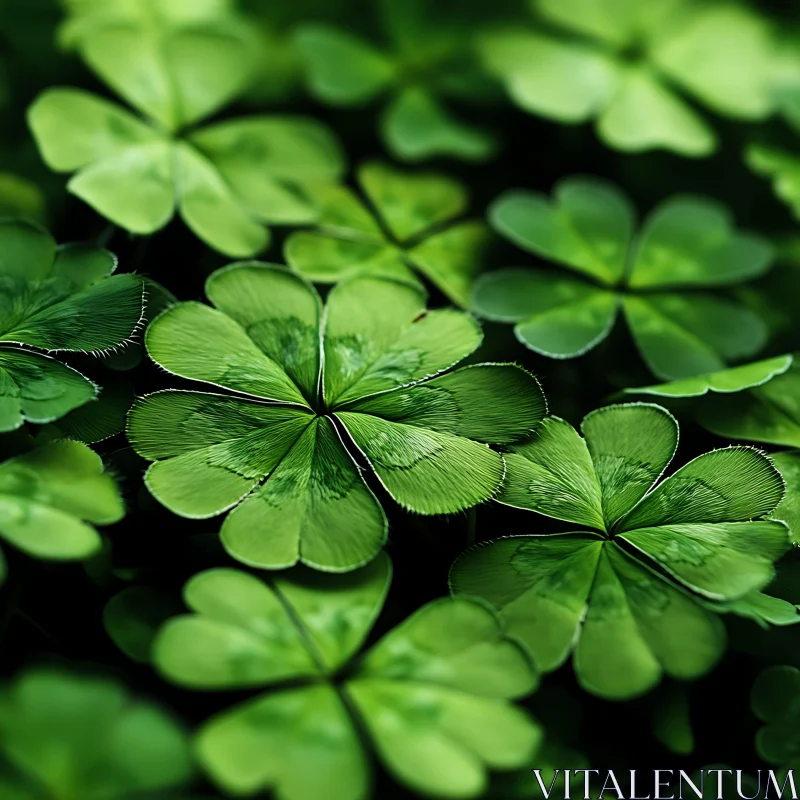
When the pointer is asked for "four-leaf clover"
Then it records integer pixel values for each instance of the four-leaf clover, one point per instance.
(626, 65)
(55, 299)
(225, 180)
(659, 278)
(636, 595)
(71, 737)
(51, 497)
(425, 61)
(430, 698)
(314, 391)
(405, 221)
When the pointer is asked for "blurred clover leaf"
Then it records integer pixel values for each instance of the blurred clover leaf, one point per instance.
(21, 198)
(55, 299)
(782, 167)
(226, 180)
(50, 498)
(72, 737)
(628, 64)
(424, 63)
(768, 413)
(776, 701)
(660, 278)
(404, 221)
(312, 391)
(635, 596)
(788, 464)
(431, 697)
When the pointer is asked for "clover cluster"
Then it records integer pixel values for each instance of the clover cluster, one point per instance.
(318, 466)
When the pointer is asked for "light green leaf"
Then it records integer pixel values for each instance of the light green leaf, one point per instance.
(492, 403)
(51, 496)
(692, 241)
(721, 561)
(734, 484)
(212, 210)
(614, 22)
(342, 69)
(230, 357)
(413, 463)
(726, 381)
(148, 173)
(62, 730)
(264, 158)
(566, 81)
(74, 128)
(769, 413)
(630, 446)
(452, 259)
(411, 204)
(269, 743)
(38, 389)
(646, 115)
(762, 609)
(788, 511)
(314, 508)
(209, 451)
(281, 314)
(587, 226)
(554, 475)
(416, 127)
(782, 167)
(368, 351)
(681, 336)
(724, 55)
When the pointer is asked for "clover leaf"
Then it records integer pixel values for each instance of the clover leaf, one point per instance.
(628, 66)
(311, 391)
(788, 464)
(404, 221)
(430, 698)
(726, 381)
(55, 299)
(226, 180)
(51, 497)
(776, 701)
(635, 595)
(71, 737)
(768, 413)
(660, 279)
(783, 167)
(423, 65)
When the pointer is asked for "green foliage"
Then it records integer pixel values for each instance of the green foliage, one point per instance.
(635, 597)
(71, 737)
(51, 497)
(425, 63)
(769, 413)
(628, 65)
(363, 379)
(431, 696)
(415, 224)
(226, 180)
(776, 701)
(659, 279)
(55, 299)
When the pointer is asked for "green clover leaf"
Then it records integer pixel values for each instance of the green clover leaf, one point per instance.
(51, 497)
(776, 701)
(660, 279)
(788, 464)
(312, 389)
(55, 299)
(404, 221)
(226, 180)
(768, 413)
(636, 596)
(782, 167)
(628, 64)
(431, 697)
(71, 737)
(423, 65)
